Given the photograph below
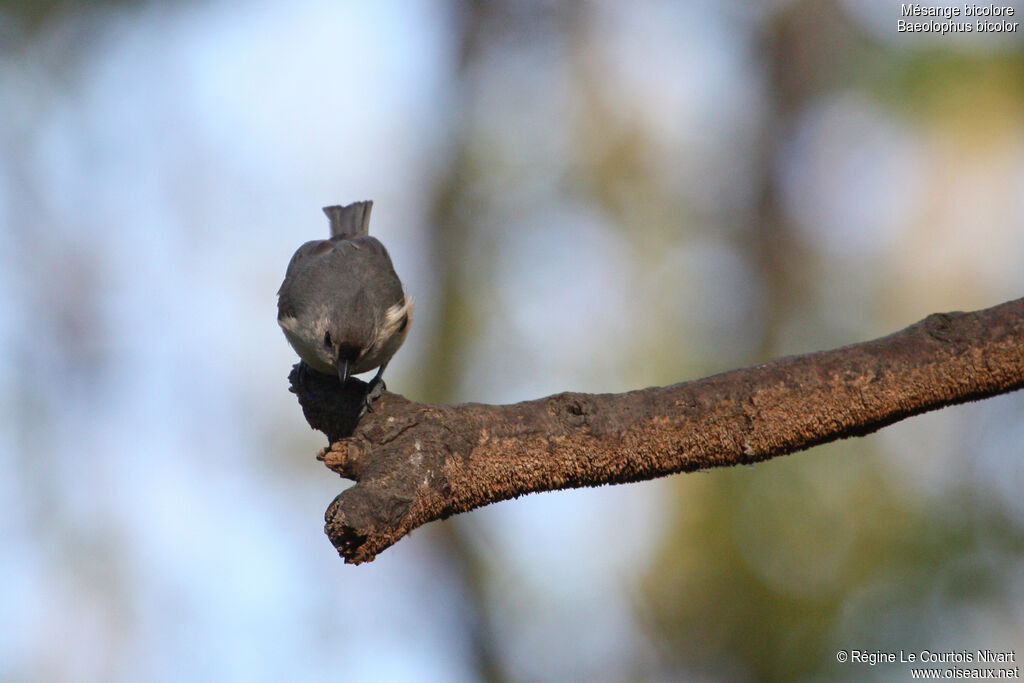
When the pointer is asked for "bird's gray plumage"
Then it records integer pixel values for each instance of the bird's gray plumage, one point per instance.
(350, 220)
(341, 305)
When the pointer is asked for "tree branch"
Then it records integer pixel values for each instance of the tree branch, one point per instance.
(415, 463)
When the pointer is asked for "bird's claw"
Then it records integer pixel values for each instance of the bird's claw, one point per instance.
(374, 391)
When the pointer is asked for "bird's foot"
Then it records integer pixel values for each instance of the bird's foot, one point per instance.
(301, 375)
(374, 390)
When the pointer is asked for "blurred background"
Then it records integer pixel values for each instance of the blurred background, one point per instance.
(590, 196)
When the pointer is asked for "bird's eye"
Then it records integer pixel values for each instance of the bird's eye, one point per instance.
(327, 339)
(405, 323)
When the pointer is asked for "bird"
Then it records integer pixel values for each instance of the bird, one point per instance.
(341, 305)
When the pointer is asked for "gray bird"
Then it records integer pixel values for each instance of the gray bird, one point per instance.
(341, 305)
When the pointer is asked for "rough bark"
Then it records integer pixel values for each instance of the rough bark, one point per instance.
(414, 463)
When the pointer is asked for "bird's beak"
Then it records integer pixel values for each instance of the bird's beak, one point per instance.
(343, 370)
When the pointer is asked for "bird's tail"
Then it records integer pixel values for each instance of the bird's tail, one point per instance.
(350, 220)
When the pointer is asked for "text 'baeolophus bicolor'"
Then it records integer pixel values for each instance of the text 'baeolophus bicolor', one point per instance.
(341, 305)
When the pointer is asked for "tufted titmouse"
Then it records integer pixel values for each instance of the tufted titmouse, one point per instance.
(341, 305)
